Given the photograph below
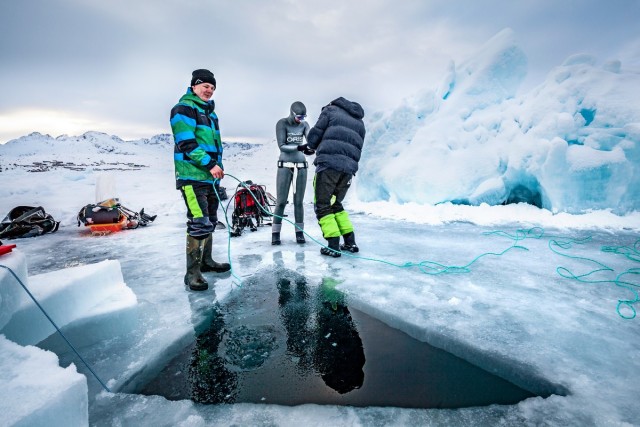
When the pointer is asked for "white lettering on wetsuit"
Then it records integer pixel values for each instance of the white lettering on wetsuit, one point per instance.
(294, 138)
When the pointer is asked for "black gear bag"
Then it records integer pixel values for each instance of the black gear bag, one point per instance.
(27, 221)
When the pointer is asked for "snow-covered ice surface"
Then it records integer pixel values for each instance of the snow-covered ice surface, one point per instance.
(512, 314)
(37, 391)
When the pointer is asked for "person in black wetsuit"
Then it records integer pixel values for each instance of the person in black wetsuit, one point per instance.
(290, 134)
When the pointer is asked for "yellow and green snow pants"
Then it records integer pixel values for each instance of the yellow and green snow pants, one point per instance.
(330, 189)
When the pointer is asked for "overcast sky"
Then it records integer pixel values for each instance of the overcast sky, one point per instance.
(118, 66)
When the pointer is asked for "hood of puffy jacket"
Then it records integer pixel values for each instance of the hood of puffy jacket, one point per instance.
(353, 108)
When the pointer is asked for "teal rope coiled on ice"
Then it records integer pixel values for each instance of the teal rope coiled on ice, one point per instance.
(632, 254)
(557, 243)
(435, 268)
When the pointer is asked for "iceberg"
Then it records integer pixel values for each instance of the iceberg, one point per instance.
(569, 145)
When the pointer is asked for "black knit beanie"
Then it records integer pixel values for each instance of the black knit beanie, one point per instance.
(202, 76)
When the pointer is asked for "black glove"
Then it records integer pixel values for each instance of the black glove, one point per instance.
(306, 150)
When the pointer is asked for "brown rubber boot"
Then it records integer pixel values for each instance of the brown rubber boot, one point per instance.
(208, 264)
(194, 279)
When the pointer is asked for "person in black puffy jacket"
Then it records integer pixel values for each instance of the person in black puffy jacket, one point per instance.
(337, 138)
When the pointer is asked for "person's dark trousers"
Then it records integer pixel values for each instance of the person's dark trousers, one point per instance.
(330, 188)
(202, 209)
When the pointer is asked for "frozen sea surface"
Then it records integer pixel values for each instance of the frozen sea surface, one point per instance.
(510, 314)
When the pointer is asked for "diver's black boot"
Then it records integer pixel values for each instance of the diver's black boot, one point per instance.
(349, 243)
(275, 238)
(333, 248)
(300, 233)
(194, 279)
(208, 264)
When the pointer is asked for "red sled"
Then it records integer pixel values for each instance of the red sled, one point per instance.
(109, 228)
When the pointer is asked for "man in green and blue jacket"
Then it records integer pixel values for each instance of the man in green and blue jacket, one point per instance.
(198, 168)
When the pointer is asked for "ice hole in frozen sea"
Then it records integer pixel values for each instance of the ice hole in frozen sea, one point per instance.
(281, 340)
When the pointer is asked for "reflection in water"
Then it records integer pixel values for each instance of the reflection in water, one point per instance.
(321, 341)
(211, 381)
(336, 351)
(338, 355)
(280, 341)
(295, 312)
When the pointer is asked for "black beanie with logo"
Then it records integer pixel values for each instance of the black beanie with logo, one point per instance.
(202, 76)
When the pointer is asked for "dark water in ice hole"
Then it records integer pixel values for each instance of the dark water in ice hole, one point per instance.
(280, 340)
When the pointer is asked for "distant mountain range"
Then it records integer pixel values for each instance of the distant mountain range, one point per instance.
(96, 150)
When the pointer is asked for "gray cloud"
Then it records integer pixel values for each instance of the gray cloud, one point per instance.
(121, 65)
